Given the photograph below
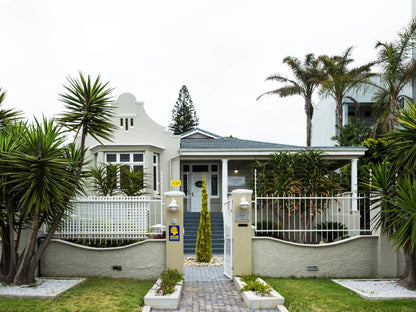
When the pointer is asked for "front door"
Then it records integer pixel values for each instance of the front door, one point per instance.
(196, 190)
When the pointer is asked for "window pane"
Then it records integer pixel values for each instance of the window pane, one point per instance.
(155, 178)
(185, 168)
(214, 185)
(214, 168)
(185, 183)
(121, 122)
(137, 168)
(155, 159)
(127, 124)
(138, 157)
(200, 168)
(111, 157)
(123, 174)
(124, 157)
(131, 122)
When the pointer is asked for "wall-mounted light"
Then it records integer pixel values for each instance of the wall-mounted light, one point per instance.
(235, 171)
(173, 206)
(244, 203)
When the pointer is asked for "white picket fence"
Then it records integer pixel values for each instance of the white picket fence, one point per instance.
(312, 219)
(112, 218)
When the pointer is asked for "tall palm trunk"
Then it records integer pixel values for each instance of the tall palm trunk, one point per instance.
(309, 114)
(339, 111)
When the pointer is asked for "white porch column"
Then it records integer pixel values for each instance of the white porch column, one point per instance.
(354, 186)
(224, 181)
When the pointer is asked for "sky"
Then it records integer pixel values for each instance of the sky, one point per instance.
(221, 50)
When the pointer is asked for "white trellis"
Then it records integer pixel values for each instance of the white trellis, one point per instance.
(108, 218)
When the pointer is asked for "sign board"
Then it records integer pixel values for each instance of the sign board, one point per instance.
(174, 233)
(237, 181)
(175, 183)
(242, 216)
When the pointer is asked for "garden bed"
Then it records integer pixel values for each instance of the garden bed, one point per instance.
(255, 301)
(158, 301)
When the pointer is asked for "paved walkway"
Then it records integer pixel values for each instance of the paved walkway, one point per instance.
(207, 289)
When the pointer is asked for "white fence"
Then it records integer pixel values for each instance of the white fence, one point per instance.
(112, 218)
(312, 219)
(227, 213)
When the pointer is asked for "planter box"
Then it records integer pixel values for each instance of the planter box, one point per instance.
(157, 301)
(255, 302)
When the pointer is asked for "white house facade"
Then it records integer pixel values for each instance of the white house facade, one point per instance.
(141, 143)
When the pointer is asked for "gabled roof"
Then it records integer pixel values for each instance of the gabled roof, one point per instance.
(200, 133)
(224, 143)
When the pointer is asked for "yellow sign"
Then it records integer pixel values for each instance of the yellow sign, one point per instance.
(175, 183)
(174, 233)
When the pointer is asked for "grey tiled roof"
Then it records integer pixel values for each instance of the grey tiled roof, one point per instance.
(231, 144)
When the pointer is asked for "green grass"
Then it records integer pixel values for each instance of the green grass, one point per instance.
(323, 295)
(95, 294)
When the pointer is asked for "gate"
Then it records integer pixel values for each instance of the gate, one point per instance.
(227, 213)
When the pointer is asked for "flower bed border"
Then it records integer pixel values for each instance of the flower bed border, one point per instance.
(156, 301)
(254, 302)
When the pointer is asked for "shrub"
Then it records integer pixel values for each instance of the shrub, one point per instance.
(203, 239)
(258, 287)
(169, 278)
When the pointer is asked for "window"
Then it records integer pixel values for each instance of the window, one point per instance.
(131, 122)
(111, 157)
(138, 157)
(155, 172)
(127, 124)
(124, 157)
(214, 185)
(121, 122)
(200, 168)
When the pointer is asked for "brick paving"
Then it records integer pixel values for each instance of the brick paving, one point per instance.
(207, 289)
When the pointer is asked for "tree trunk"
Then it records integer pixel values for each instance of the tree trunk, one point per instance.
(22, 277)
(5, 248)
(13, 253)
(309, 113)
(409, 279)
(339, 111)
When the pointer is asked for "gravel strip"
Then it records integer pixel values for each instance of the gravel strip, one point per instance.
(377, 289)
(215, 262)
(46, 288)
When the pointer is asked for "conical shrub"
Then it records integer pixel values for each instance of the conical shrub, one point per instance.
(203, 239)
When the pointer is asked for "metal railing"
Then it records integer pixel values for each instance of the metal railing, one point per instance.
(112, 218)
(313, 219)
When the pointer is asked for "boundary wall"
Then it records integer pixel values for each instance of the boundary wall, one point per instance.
(361, 256)
(142, 260)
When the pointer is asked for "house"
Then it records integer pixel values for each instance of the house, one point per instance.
(141, 143)
(324, 117)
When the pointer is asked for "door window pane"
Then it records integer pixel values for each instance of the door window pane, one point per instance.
(200, 168)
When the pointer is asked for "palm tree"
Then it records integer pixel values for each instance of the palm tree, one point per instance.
(7, 115)
(395, 187)
(308, 76)
(398, 69)
(38, 173)
(341, 80)
(89, 110)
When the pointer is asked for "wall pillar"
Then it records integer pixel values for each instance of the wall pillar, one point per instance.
(224, 183)
(174, 230)
(242, 244)
(354, 184)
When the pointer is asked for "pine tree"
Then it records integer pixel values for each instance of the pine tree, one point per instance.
(203, 239)
(183, 114)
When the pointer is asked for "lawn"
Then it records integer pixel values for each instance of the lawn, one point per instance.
(95, 294)
(323, 295)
